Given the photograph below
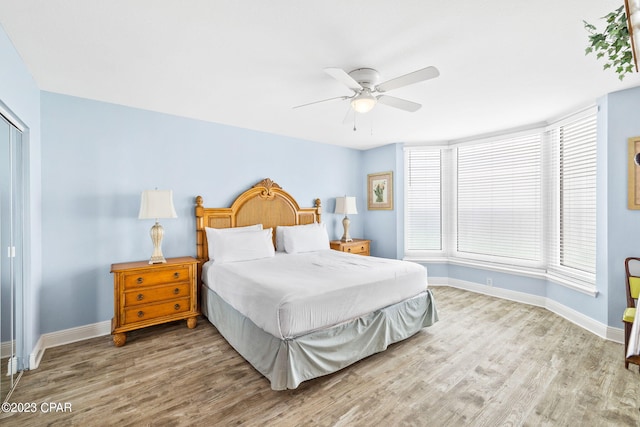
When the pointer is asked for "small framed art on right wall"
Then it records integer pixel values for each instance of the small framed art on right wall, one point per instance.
(380, 191)
(633, 186)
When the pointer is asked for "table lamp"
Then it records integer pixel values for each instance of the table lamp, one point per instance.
(156, 204)
(346, 205)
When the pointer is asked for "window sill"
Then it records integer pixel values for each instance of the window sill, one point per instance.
(537, 273)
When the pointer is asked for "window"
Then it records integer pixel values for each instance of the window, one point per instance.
(423, 221)
(526, 201)
(573, 162)
(499, 207)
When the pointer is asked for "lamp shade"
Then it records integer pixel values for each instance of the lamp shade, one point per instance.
(346, 205)
(364, 102)
(156, 204)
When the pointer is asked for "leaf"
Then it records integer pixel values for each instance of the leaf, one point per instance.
(613, 43)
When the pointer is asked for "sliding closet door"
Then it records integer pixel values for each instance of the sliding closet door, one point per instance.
(11, 258)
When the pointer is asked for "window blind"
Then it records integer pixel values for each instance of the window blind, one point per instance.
(423, 223)
(576, 246)
(499, 201)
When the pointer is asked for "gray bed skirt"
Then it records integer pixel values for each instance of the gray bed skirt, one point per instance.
(289, 362)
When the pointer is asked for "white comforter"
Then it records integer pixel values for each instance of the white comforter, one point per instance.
(292, 294)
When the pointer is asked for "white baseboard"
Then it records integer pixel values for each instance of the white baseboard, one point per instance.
(36, 355)
(67, 336)
(12, 366)
(591, 325)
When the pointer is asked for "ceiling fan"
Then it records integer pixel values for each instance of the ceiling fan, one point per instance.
(367, 92)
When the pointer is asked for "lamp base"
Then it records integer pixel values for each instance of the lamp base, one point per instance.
(345, 223)
(157, 260)
(157, 233)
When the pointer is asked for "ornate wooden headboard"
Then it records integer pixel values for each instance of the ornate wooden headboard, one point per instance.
(265, 203)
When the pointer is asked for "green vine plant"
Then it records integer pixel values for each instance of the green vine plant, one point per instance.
(613, 44)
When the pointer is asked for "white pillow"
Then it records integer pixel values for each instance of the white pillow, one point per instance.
(304, 238)
(280, 230)
(210, 240)
(249, 245)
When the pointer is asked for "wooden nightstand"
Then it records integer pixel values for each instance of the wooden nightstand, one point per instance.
(149, 294)
(357, 246)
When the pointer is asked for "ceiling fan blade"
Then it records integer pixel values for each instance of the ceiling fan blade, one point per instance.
(409, 79)
(402, 104)
(340, 75)
(322, 100)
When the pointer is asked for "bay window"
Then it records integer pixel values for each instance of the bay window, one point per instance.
(525, 201)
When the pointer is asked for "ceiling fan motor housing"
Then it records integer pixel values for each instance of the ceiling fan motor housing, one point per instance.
(366, 77)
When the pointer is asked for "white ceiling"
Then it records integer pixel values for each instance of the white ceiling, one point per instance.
(503, 63)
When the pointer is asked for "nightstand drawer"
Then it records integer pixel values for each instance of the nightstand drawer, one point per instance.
(356, 246)
(152, 311)
(157, 276)
(358, 249)
(160, 293)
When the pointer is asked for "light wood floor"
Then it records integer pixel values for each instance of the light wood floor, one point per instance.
(487, 362)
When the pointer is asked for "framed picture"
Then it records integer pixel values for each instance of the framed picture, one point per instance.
(380, 191)
(633, 186)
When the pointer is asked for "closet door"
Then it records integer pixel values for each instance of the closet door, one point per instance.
(11, 256)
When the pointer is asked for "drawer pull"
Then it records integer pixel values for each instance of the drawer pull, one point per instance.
(176, 291)
(176, 275)
(140, 297)
(140, 280)
(362, 248)
(177, 306)
(348, 249)
(140, 313)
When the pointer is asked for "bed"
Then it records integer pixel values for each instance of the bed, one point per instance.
(292, 307)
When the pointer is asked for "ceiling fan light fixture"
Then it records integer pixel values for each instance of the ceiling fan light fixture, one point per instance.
(364, 101)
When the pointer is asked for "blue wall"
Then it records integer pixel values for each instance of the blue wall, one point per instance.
(98, 158)
(381, 226)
